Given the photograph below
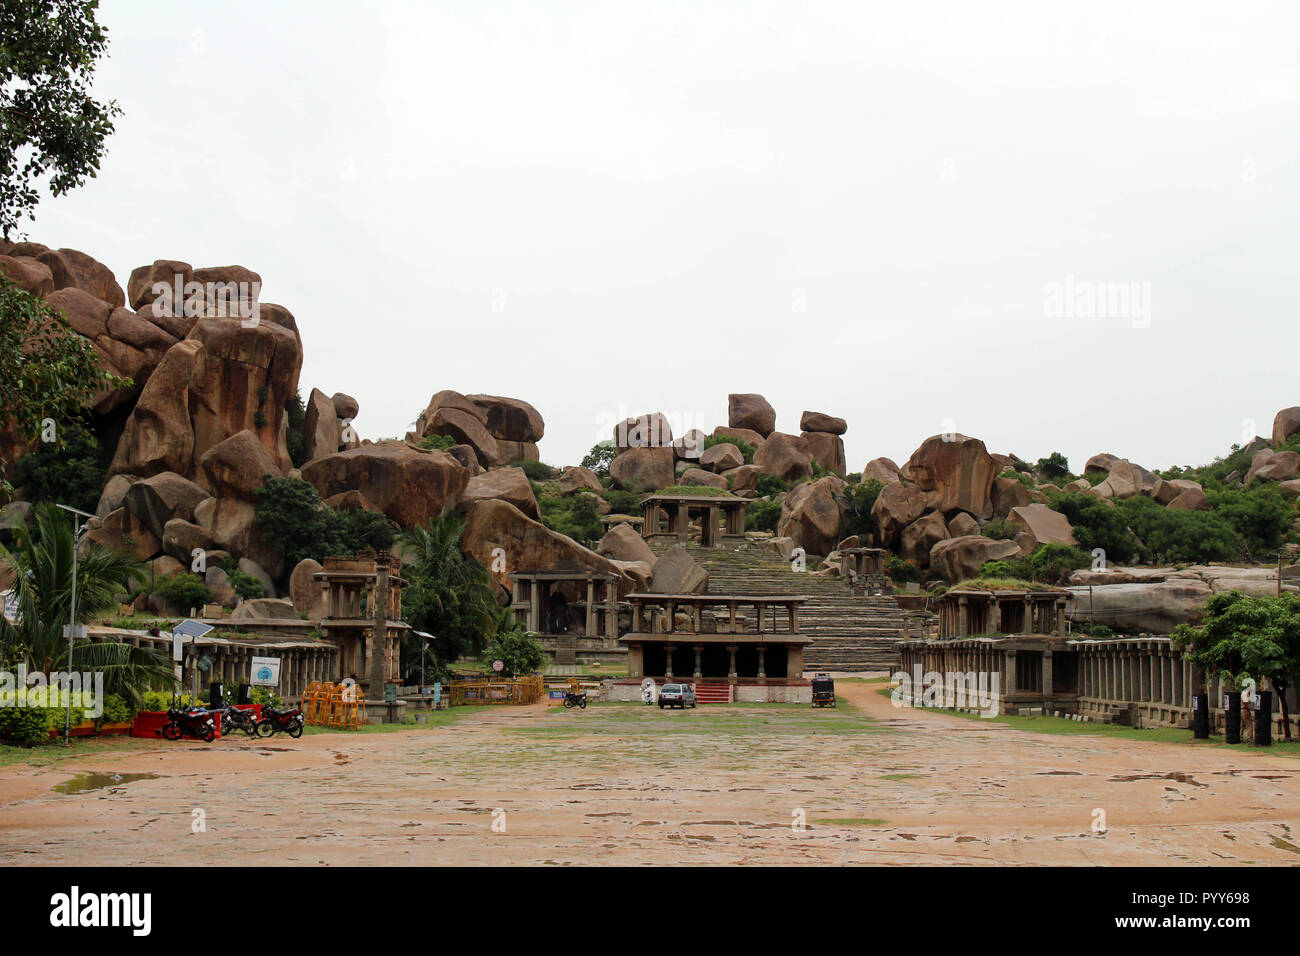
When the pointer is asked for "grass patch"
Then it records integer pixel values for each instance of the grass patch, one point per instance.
(433, 720)
(625, 719)
(1061, 726)
(901, 776)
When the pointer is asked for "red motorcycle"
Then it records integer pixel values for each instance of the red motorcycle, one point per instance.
(273, 721)
(190, 722)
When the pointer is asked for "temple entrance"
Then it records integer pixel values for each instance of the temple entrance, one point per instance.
(777, 661)
(655, 660)
(715, 661)
(683, 661)
(747, 661)
(1065, 672)
(557, 613)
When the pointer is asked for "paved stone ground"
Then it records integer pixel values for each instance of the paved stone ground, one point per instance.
(633, 785)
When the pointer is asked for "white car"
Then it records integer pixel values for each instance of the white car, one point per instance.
(676, 695)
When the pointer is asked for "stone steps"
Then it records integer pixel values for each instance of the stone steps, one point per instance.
(850, 632)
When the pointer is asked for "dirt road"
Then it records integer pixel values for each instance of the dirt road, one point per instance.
(627, 784)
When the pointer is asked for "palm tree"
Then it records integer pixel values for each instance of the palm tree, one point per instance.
(451, 595)
(41, 566)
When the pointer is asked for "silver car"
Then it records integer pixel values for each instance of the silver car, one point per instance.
(676, 695)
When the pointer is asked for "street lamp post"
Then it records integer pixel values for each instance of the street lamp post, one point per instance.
(77, 528)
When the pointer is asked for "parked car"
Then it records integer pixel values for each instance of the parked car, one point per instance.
(676, 695)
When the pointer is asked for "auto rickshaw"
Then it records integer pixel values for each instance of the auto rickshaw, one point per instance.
(823, 691)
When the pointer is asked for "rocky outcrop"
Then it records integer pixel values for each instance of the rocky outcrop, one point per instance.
(704, 479)
(752, 411)
(821, 422)
(1273, 466)
(643, 469)
(510, 419)
(962, 524)
(785, 456)
(827, 450)
(528, 545)
(650, 430)
(882, 470)
(575, 478)
(1126, 480)
(453, 414)
(1136, 608)
(265, 609)
(237, 467)
(958, 559)
(321, 426)
(678, 573)
(1193, 499)
(1043, 524)
(1009, 493)
(158, 499)
(1285, 424)
(920, 537)
(743, 479)
(222, 379)
(721, 457)
(898, 505)
(958, 474)
(747, 435)
(1100, 462)
(409, 485)
(305, 590)
(814, 515)
(623, 543)
(507, 484)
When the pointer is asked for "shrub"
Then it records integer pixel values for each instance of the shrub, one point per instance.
(116, 710)
(1054, 467)
(771, 485)
(438, 442)
(184, 590)
(762, 516)
(25, 725)
(293, 520)
(1259, 513)
(245, 585)
(902, 571)
(862, 498)
(703, 491)
(1052, 563)
(295, 433)
(537, 470)
(1097, 525)
(1018, 476)
(574, 515)
(622, 502)
(999, 529)
(1170, 535)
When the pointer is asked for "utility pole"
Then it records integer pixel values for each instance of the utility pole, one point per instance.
(77, 528)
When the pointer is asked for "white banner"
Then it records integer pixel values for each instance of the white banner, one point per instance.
(265, 671)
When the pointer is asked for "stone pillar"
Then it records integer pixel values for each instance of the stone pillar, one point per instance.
(699, 672)
(762, 661)
(1010, 657)
(591, 607)
(963, 617)
(1028, 627)
(731, 666)
(668, 661)
(534, 605)
(378, 638)
(1047, 675)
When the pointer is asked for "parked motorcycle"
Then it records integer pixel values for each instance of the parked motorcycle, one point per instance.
(575, 700)
(273, 721)
(189, 722)
(235, 718)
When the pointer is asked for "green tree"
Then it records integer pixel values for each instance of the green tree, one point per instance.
(48, 373)
(518, 651)
(1259, 513)
(1054, 467)
(50, 125)
(1097, 525)
(292, 519)
(450, 596)
(1248, 636)
(70, 472)
(41, 566)
(600, 457)
(862, 498)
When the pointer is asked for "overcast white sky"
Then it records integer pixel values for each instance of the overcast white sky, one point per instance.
(619, 208)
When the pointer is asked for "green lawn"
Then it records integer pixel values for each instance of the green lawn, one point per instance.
(1171, 735)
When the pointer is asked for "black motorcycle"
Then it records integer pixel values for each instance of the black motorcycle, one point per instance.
(235, 718)
(273, 721)
(189, 722)
(575, 700)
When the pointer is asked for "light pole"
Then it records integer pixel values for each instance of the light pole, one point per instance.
(77, 528)
(424, 643)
